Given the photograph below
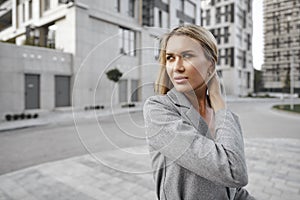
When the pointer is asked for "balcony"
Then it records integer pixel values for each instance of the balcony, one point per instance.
(5, 15)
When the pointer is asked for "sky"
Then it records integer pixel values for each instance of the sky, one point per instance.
(257, 37)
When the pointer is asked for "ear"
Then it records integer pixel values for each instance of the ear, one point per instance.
(211, 70)
(210, 73)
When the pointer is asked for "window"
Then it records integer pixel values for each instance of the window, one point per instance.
(207, 17)
(244, 59)
(232, 57)
(127, 41)
(249, 7)
(51, 36)
(249, 42)
(160, 18)
(30, 9)
(148, 13)
(229, 13)
(227, 56)
(220, 73)
(248, 80)
(218, 36)
(118, 5)
(220, 56)
(226, 35)
(232, 13)
(131, 8)
(46, 5)
(244, 19)
(190, 9)
(218, 15)
(23, 12)
(182, 5)
(156, 46)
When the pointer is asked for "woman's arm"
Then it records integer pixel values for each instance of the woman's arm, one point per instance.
(221, 161)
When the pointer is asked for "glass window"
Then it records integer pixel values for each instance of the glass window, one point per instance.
(218, 15)
(218, 36)
(46, 5)
(226, 35)
(190, 9)
(131, 8)
(118, 5)
(23, 13)
(207, 17)
(160, 18)
(30, 9)
(127, 41)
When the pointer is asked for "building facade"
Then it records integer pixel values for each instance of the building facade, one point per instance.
(281, 68)
(61, 50)
(230, 21)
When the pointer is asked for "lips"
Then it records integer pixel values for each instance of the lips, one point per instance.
(180, 79)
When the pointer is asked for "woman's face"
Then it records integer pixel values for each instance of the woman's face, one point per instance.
(186, 64)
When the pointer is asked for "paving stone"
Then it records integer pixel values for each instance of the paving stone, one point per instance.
(272, 169)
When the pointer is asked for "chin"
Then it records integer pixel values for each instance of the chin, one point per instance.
(183, 89)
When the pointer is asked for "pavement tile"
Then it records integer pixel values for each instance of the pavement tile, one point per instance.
(272, 175)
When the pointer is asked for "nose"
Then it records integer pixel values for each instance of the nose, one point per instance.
(178, 64)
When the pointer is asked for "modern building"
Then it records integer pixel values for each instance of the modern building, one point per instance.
(55, 53)
(281, 68)
(231, 23)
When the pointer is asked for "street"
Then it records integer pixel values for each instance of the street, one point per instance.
(32, 146)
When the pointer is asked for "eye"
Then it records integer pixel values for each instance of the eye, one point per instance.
(169, 57)
(186, 55)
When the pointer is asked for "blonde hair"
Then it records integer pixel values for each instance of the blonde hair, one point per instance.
(163, 83)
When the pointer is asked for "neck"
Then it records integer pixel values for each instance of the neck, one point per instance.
(198, 98)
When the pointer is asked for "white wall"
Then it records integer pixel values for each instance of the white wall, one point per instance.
(15, 61)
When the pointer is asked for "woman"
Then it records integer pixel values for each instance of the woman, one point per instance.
(196, 144)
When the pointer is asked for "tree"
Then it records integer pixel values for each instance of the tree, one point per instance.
(114, 75)
(258, 80)
(287, 82)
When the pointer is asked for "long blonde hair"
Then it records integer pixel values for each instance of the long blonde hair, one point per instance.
(163, 83)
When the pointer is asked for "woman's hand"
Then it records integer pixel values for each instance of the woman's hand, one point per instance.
(215, 96)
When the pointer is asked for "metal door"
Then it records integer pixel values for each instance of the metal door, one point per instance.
(123, 97)
(62, 91)
(32, 91)
(134, 90)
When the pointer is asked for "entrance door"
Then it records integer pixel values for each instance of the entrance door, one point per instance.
(32, 91)
(123, 91)
(62, 91)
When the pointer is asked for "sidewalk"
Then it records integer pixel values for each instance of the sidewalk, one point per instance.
(273, 166)
(65, 116)
(125, 174)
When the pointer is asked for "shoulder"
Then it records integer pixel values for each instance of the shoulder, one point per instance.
(157, 101)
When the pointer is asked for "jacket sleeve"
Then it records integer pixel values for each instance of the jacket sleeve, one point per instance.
(221, 161)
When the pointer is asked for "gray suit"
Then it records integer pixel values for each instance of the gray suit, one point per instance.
(188, 164)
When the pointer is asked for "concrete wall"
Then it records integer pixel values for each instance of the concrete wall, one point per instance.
(97, 51)
(16, 61)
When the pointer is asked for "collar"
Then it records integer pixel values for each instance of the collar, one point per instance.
(187, 109)
(179, 99)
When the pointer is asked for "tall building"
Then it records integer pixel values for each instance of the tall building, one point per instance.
(231, 23)
(281, 66)
(56, 53)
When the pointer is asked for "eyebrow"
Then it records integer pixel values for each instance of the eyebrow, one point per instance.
(187, 51)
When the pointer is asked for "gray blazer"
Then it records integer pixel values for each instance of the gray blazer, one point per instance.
(187, 163)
